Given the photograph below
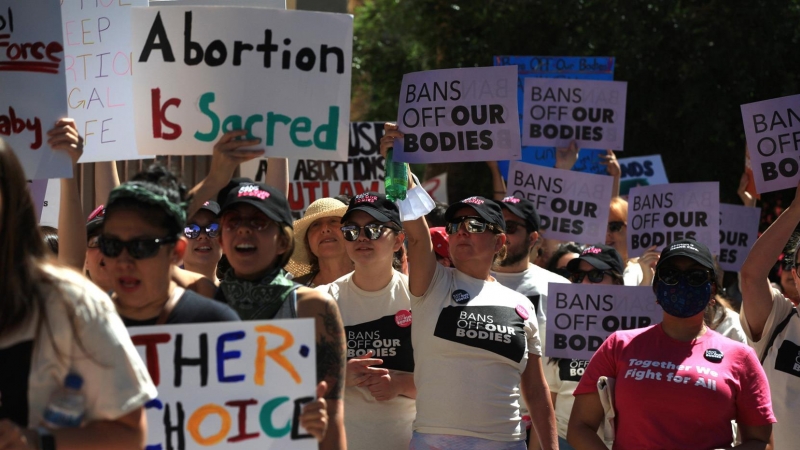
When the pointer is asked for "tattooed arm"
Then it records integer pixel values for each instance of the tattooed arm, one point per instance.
(330, 359)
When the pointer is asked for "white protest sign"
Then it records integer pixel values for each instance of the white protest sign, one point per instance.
(557, 111)
(437, 187)
(222, 384)
(661, 214)
(37, 188)
(581, 316)
(458, 115)
(97, 38)
(572, 206)
(52, 204)
(284, 76)
(738, 231)
(280, 4)
(641, 171)
(772, 129)
(32, 85)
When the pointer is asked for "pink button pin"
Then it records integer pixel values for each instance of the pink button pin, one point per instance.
(403, 318)
(522, 312)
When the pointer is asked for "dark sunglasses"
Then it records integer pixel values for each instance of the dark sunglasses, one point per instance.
(473, 225)
(615, 226)
(231, 223)
(372, 231)
(193, 230)
(512, 227)
(137, 248)
(595, 275)
(694, 277)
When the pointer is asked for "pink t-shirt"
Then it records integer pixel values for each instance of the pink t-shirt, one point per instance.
(679, 395)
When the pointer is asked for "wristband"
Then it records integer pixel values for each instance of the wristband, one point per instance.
(46, 439)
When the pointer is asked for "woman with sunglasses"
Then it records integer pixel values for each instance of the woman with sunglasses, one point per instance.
(203, 252)
(670, 376)
(638, 271)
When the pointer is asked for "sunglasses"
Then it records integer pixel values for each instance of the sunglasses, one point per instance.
(372, 231)
(192, 231)
(595, 276)
(231, 223)
(512, 227)
(694, 277)
(615, 226)
(473, 225)
(137, 248)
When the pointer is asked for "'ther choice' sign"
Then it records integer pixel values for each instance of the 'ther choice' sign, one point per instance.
(772, 128)
(580, 317)
(659, 215)
(222, 384)
(557, 111)
(738, 231)
(458, 115)
(572, 206)
(284, 76)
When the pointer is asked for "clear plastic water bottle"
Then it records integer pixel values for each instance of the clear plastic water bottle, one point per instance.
(67, 405)
(395, 179)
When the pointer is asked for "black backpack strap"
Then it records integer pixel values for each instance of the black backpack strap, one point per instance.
(775, 333)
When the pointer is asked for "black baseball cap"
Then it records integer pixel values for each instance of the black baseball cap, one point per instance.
(488, 210)
(523, 208)
(376, 205)
(690, 249)
(212, 207)
(265, 198)
(235, 182)
(601, 257)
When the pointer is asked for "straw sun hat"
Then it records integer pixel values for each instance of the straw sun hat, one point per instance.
(300, 264)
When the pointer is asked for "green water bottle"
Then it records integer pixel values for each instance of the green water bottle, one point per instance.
(395, 179)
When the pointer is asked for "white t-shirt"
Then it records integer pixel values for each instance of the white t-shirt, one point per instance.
(471, 343)
(730, 326)
(94, 344)
(782, 366)
(633, 275)
(377, 321)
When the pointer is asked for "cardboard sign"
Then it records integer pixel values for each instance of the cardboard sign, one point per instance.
(222, 384)
(738, 231)
(659, 215)
(282, 75)
(641, 171)
(572, 206)
(772, 128)
(32, 84)
(457, 115)
(437, 188)
(557, 111)
(98, 53)
(52, 204)
(581, 316)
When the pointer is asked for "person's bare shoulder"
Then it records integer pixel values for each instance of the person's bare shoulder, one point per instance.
(330, 337)
(194, 282)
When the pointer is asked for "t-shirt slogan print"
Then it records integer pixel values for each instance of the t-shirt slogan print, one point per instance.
(497, 329)
(387, 340)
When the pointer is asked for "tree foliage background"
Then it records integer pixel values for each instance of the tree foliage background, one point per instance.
(688, 64)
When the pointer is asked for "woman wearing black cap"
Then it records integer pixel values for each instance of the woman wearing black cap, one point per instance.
(670, 375)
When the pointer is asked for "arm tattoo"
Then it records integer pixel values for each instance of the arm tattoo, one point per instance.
(331, 352)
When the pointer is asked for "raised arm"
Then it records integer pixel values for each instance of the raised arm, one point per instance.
(612, 167)
(106, 178)
(498, 183)
(71, 220)
(278, 174)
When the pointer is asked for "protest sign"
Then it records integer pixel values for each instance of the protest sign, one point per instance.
(557, 111)
(220, 384)
(572, 206)
(37, 188)
(280, 4)
(98, 53)
(436, 187)
(581, 316)
(772, 129)
(32, 85)
(738, 231)
(458, 115)
(641, 171)
(52, 204)
(661, 214)
(284, 76)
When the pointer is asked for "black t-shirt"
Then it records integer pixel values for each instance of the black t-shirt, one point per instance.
(16, 366)
(192, 308)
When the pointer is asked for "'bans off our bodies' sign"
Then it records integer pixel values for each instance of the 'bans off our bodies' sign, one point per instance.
(458, 115)
(582, 316)
(572, 206)
(229, 385)
(284, 76)
(772, 129)
(557, 111)
(661, 214)
(738, 231)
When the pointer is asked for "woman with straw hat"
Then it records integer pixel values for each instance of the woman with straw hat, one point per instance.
(320, 258)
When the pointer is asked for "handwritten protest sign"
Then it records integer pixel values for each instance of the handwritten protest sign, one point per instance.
(641, 171)
(659, 215)
(557, 111)
(52, 204)
(572, 206)
(436, 187)
(580, 316)
(98, 53)
(284, 76)
(738, 230)
(220, 384)
(32, 84)
(772, 128)
(281, 4)
(457, 115)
